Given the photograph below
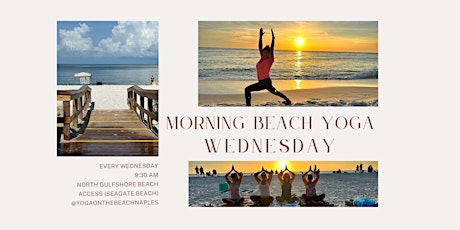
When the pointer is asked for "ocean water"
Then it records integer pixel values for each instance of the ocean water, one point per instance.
(108, 74)
(240, 64)
(338, 187)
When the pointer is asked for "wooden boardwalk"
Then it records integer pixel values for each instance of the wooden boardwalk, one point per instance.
(112, 133)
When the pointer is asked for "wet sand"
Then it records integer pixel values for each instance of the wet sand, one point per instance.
(327, 96)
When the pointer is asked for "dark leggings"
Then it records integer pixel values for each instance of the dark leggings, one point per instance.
(262, 200)
(261, 85)
(313, 198)
(291, 199)
(230, 201)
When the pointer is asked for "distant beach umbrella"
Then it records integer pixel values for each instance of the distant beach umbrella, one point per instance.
(84, 77)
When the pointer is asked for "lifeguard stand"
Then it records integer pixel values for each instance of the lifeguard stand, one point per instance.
(85, 78)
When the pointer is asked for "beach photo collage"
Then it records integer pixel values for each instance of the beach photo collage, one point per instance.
(108, 94)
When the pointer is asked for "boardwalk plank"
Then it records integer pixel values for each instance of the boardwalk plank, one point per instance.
(109, 149)
(113, 133)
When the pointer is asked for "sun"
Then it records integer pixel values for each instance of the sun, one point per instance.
(282, 165)
(299, 41)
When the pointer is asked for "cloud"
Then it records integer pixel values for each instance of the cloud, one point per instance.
(134, 39)
(131, 39)
(75, 40)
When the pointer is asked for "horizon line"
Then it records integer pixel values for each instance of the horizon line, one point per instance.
(326, 51)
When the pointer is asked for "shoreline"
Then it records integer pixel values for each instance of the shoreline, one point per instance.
(325, 96)
(107, 97)
(237, 86)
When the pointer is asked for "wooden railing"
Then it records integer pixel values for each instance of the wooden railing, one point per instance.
(79, 100)
(145, 103)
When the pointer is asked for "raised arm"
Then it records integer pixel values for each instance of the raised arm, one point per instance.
(261, 33)
(272, 48)
(280, 176)
(226, 176)
(256, 176)
(317, 177)
(304, 179)
(292, 174)
(270, 176)
(239, 175)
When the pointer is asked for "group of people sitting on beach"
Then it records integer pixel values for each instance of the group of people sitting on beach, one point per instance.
(264, 178)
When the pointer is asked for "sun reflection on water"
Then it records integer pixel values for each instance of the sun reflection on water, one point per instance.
(297, 84)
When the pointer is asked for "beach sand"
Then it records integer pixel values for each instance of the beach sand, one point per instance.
(338, 187)
(325, 96)
(107, 97)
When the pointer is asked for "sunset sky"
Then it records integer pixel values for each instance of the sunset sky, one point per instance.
(295, 166)
(343, 36)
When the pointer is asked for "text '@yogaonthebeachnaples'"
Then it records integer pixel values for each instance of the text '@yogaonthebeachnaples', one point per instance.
(141, 190)
(300, 144)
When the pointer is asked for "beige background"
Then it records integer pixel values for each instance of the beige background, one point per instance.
(413, 140)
